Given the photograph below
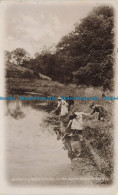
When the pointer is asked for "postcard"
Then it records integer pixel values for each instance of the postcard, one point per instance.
(58, 97)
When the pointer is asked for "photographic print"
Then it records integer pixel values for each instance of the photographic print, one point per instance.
(59, 75)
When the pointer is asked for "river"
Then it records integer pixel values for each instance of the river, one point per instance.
(33, 153)
(32, 146)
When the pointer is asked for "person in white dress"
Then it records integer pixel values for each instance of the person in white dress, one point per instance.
(63, 108)
(73, 138)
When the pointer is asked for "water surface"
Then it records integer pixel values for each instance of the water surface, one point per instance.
(32, 146)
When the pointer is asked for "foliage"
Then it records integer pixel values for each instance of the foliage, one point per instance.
(17, 56)
(7, 56)
(89, 49)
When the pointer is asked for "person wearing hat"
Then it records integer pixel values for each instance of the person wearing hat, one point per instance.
(62, 107)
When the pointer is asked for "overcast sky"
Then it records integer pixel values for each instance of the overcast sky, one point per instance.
(35, 26)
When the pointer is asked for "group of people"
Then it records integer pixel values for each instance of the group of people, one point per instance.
(71, 125)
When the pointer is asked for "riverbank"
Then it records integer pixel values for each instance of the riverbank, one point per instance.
(98, 133)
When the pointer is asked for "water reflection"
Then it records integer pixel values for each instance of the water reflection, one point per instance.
(15, 109)
(32, 146)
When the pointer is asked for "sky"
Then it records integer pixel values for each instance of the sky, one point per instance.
(37, 26)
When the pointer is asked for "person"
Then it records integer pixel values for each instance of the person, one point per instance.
(100, 109)
(74, 136)
(70, 103)
(63, 107)
(103, 95)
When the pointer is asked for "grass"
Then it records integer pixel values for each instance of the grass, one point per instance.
(98, 133)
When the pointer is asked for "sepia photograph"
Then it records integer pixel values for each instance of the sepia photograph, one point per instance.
(59, 63)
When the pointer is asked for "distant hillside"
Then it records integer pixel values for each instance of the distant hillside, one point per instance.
(15, 71)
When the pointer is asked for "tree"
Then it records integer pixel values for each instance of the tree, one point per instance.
(19, 56)
(88, 49)
(7, 56)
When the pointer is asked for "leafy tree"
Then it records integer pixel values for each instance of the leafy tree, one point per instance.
(88, 50)
(7, 56)
(19, 56)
